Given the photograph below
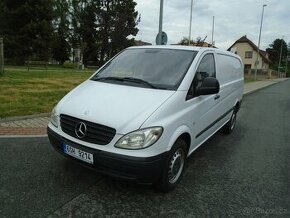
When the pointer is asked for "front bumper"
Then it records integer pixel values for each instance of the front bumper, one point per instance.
(139, 169)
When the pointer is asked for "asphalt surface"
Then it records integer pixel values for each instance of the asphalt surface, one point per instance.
(246, 173)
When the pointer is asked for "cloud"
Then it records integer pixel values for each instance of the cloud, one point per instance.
(233, 19)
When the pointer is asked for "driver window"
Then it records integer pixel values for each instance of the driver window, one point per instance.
(205, 69)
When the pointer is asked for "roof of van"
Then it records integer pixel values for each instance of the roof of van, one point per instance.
(178, 47)
(184, 47)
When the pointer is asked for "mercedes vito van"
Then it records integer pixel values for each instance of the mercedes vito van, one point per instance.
(146, 110)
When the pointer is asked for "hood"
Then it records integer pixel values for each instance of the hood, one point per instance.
(124, 108)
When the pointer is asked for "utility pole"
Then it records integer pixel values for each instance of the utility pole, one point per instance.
(281, 49)
(160, 23)
(258, 50)
(212, 34)
(190, 22)
(1, 57)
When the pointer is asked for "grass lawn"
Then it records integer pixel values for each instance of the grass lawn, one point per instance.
(36, 91)
(248, 79)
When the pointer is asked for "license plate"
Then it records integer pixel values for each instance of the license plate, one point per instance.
(79, 154)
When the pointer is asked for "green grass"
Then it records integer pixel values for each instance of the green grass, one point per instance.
(36, 91)
(248, 79)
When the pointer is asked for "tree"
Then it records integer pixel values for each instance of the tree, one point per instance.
(60, 43)
(2, 10)
(88, 32)
(288, 61)
(274, 50)
(27, 29)
(124, 24)
(1, 40)
(75, 9)
(41, 29)
(83, 31)
(183, 41)
(199, 42)
(116, 20)
(100, 28)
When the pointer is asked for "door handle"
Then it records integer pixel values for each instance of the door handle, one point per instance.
(217, 97)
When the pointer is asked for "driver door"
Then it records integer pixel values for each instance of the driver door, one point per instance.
(202, 108)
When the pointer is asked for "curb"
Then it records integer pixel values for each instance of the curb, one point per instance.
(22, 136)
(258, 89)
(8, 119)
(255, 90)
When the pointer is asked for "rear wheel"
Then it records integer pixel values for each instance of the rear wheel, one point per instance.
(173, 168)
(229, 127)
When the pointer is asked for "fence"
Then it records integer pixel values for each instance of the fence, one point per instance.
(36, 64)
(264, 74)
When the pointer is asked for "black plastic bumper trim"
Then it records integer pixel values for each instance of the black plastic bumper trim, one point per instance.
(139, 169)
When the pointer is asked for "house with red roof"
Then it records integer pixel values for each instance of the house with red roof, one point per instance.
(248, 52)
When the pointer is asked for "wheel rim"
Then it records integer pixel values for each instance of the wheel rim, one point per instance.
(233, 120)
(176, 166)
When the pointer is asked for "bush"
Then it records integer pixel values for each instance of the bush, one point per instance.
(69, 65)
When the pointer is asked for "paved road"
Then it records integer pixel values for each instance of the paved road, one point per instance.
(246, 173)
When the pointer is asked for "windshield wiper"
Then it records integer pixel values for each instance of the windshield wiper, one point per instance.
(108, 78)
(125, 79)
(139, 81)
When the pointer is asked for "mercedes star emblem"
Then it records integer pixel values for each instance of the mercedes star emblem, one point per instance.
(81, 130)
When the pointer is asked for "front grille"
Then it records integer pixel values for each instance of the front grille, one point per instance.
(96, 133)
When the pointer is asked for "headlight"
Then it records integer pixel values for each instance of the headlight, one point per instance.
(140, 139)
(54, 117)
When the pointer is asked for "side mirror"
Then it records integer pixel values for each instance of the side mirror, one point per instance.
(209, 86)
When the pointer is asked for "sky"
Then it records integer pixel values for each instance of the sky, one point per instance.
(233, 19)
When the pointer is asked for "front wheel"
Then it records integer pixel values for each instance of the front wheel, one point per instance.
(174, 166)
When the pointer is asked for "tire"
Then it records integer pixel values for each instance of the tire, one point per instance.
(173, 168)
(229, 127)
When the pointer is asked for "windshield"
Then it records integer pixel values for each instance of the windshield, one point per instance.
(152, 68)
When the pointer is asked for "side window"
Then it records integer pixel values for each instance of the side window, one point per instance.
(205, 69)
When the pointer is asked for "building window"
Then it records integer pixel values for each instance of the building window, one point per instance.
(248, 54)
(247, 66)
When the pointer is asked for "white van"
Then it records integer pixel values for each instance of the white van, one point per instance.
(146, 110)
